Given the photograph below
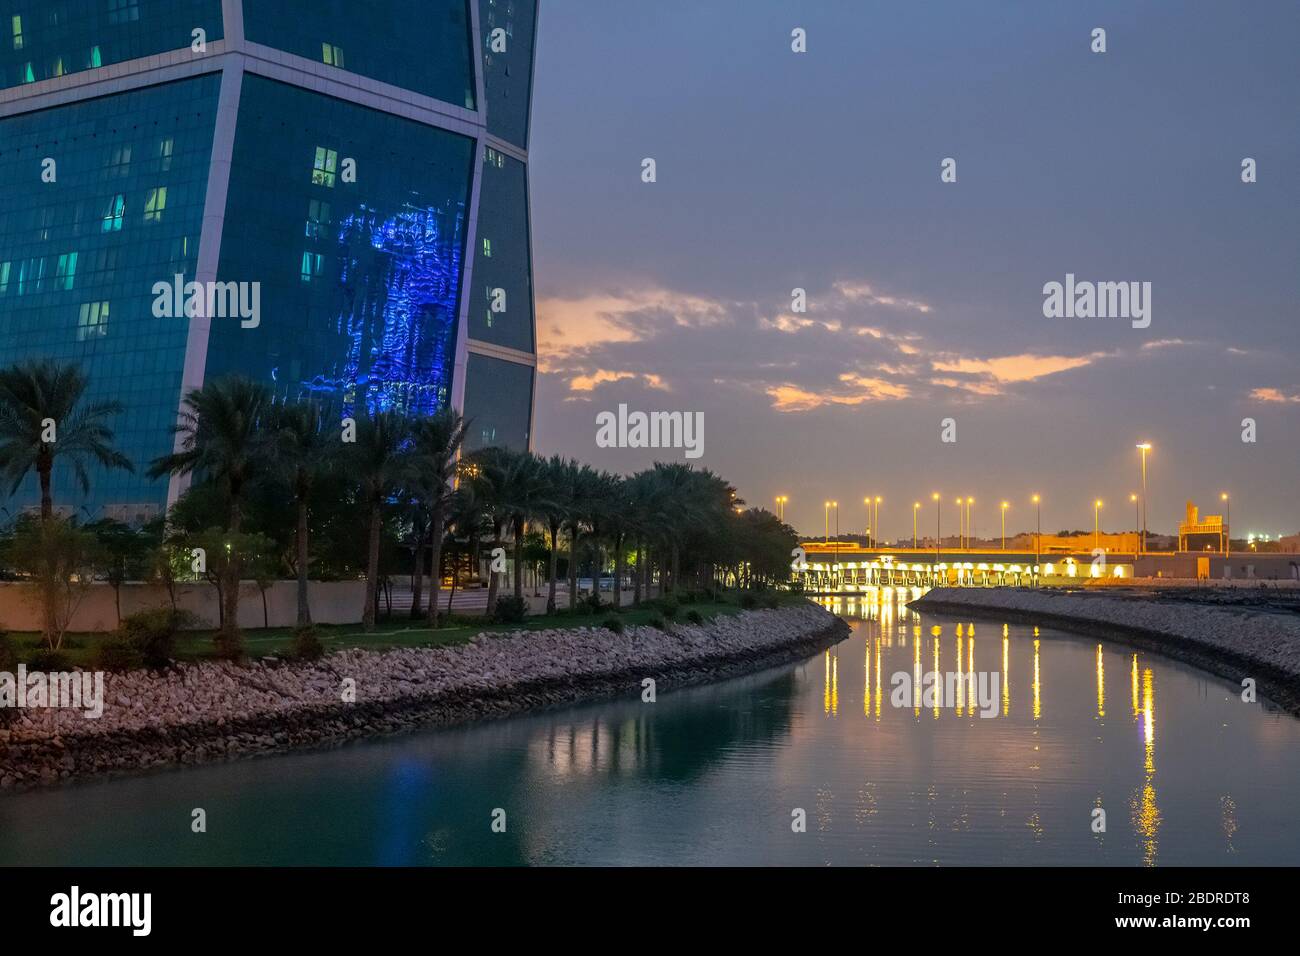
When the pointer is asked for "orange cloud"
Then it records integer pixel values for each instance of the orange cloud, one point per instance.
(1016, 368)
(792, 398)
(1272, 395)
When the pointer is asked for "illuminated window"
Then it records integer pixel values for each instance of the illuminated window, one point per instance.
(123, 11)
(113, 214)
(332, 55)
(311, 265)
(154, 204)
(165, 154)
(93, 322)
(56, 68)
(487, 247)
(324, 167)
(4, 277)
(27, 74)
(66, 272)
(17, 23)
(95, 59)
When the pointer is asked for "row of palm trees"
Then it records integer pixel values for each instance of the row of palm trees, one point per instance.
(410, 472)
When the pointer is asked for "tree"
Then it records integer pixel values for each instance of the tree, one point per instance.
(304, 449)
(435, 445)
(43, 418)
(221, 439)
(379, 463)
(559, 476)
(61, 561)
(125, 552)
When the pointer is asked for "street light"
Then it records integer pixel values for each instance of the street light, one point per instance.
(969, 501)
(1144, 447)
(1096, 524)
(961, 526)
(1136, 520)
(875, 522)
(827, 522)
(870, 522)
(1227, 523)
(915, 506)
(780, 506)
(1005, 506)
(1038, 537)
(938, 507)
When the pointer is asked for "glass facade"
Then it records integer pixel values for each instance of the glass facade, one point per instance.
(508, 73)
(345, 228)
(498, 403)
(501, 311)
(419, 45)
(42, 39)
(359, 275)
(79, 256)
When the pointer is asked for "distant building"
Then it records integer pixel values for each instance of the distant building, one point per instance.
(1196, 533)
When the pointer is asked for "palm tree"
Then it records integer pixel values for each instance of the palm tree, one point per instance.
(304, 449)
(379, 461)
(221, 439)
(578, 493)
(600, 502)
(42, 418)
(510, 486)
(559, 477)
(435, 445)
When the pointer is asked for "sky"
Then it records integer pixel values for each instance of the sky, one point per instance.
(821, 170)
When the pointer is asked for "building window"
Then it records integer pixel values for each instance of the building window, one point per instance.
(26, 71)
(123, 11)
(311, 265)
(324, 167)
(165, 154)
(154, 204)
(121, 159)
(93, 321)
(95, 59)
(67, 271)
(487, 248)
(56, 68)
(113, 214)
(332, 55)
(4, 277)
(318, 215)
(17, 24)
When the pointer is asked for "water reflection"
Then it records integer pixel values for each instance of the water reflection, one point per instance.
(709, 775)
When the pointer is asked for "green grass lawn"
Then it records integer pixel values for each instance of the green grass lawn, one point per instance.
(390, 632)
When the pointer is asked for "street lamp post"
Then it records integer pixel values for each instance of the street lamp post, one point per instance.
(875, 522)
(1096, 524)
(1005, 505)
(938, 507)
(780, 506)
(836, 506)
(1144, 447)
(1137, 520)
(961, 526)
(1038, 536)
(915, 506)
(969, 533)
(867, 501)
(826, 514)
(1227, 523)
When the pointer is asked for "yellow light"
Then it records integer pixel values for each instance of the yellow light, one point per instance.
(935, 496)
(1097, 502)
(1034, 499)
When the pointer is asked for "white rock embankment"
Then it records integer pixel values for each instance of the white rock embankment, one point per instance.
(1234, 636)
(198, 712)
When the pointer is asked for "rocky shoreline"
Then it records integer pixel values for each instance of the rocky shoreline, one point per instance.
(197, 713)
(1234, 641)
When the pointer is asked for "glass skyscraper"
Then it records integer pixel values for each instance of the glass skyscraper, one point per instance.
(343, 185)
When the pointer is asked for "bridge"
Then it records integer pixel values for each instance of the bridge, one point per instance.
(840, 567)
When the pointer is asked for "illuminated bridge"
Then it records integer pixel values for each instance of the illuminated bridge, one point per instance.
(847, 567)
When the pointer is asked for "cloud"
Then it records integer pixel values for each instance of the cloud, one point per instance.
(864, 294)
(588, 383)
(793, 398)
(1016, 368)
(1272, 395)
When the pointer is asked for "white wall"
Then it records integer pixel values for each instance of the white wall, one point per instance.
(334, 602)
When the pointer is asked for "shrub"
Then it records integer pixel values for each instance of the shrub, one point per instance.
(306, 644)
(796, 587)
(8, 652)
(116, 653)
(771, 601)
(668, 607)
(591, 603)
(510, 610)
(657, 621)
(613, 624)
(152, 633)
(49, 661)
(694, 616)
(748, 601)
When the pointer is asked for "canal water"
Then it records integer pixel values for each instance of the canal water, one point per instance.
(1185, 772)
